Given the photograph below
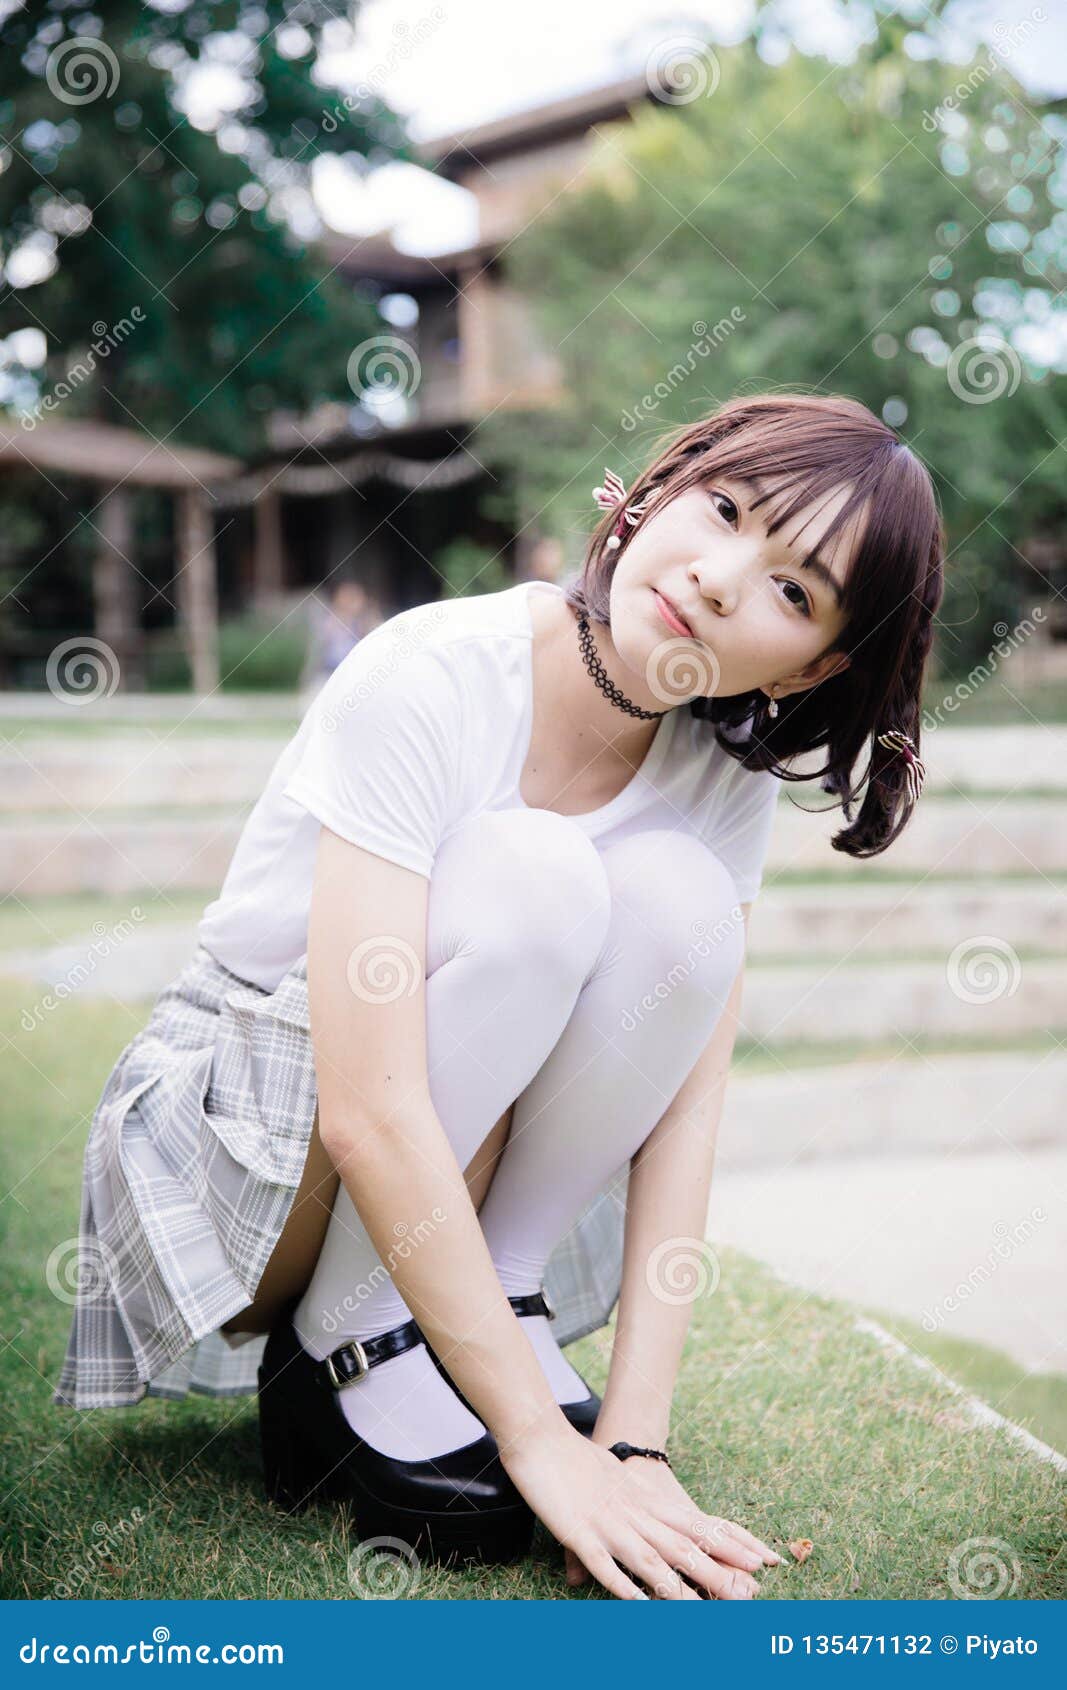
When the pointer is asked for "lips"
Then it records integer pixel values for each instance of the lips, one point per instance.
(673, 614)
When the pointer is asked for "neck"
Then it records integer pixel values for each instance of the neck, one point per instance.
(605, 728)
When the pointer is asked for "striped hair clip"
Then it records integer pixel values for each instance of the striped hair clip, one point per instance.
(612, 496)
(896, 740)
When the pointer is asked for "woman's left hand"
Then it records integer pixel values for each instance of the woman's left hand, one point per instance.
(729, 1544)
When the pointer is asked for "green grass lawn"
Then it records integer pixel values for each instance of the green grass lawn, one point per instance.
(785, 1419)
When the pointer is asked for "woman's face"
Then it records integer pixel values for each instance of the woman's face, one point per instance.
(754, 617)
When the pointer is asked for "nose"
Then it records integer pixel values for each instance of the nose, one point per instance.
(718, 582)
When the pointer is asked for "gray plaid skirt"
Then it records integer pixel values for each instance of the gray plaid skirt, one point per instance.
(193, 1158)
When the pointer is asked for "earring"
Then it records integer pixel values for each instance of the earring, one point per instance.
(772, 707)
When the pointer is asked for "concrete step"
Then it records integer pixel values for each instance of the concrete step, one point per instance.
(113, 850)
(945, 836)
(849, 921)
(75, 778)
(983, 990)
(889, 1105)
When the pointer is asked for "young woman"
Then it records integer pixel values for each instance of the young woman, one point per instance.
(453, 1044)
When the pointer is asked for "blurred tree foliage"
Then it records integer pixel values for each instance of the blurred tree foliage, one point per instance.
(172, 240)
(791, 226)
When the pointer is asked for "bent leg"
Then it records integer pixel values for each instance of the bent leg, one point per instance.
(671, 955)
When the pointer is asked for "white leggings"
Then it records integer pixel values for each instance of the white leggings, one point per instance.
(583, 985)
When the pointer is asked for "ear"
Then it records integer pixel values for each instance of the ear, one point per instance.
(820, 669)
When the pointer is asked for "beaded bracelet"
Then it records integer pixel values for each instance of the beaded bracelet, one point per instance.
(622, 1450)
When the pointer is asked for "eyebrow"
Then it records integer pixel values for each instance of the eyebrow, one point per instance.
(819, 568)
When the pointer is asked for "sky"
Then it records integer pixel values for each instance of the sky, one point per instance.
(456, 65)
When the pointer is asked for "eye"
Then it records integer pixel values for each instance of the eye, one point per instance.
(803, 604)
(724, 498)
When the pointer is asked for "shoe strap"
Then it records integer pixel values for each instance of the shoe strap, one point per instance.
(534, 1302)
(352, 1360)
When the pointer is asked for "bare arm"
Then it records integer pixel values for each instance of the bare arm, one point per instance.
(667, 1198)
(366, 948)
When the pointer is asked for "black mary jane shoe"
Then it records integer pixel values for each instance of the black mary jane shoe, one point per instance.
(456, 1507)
(582, 1415)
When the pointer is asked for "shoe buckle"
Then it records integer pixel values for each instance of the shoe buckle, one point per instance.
(550, 1307)
(356, 1349)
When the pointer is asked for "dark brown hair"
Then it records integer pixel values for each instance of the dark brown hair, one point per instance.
(812, 444)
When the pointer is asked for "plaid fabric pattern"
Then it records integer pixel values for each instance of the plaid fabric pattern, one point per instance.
(194, 1154)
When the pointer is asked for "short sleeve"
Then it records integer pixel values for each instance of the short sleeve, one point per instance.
(744, 825)
(379, 761)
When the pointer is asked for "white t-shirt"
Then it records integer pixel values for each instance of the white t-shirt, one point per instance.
(425, 723)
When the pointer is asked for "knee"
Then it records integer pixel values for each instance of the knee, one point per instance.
(526, 885)
(681, 901)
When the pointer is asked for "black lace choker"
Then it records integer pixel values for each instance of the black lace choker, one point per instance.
(601, 677)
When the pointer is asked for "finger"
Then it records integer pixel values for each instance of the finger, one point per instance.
(576, 1573)
(763, 1550)
(726, 1583)
(721, 1544)
(601, 1563)
(642, 1557)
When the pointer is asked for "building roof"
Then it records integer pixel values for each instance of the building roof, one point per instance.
(452, 155)
(98, 451)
